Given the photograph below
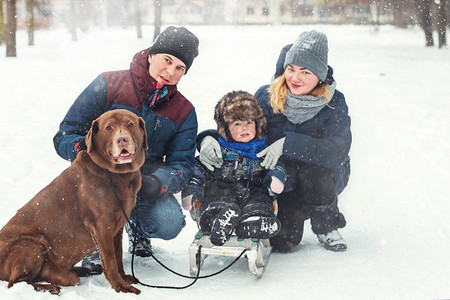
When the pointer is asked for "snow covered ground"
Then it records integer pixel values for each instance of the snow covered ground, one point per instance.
(396, 203)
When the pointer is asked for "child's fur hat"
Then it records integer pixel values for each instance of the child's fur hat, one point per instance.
(239, 105)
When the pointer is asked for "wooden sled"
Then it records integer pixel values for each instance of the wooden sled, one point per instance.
(257, 251)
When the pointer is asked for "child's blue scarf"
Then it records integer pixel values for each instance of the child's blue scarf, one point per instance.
(249, 149)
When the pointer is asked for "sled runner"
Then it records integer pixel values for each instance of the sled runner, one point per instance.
(257, 251)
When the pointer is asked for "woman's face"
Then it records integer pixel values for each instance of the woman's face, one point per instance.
(299, 80)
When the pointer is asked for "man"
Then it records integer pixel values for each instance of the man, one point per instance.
(149, 89)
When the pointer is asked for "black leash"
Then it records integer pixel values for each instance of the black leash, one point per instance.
(197, 255)
(198, 263)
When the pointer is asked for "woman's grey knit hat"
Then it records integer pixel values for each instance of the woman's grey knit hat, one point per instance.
(310, 51)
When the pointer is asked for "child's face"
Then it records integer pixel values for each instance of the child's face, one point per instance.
(242, 131)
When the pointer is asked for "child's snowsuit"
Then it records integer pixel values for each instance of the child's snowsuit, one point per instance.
(240, 181)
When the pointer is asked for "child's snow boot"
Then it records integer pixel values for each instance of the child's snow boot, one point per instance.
(258, 227)
(223, 225)
(333, 241)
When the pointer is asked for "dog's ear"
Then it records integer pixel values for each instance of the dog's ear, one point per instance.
(89, 139)
(142, 125)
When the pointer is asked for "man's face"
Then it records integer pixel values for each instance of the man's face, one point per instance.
(166, 69)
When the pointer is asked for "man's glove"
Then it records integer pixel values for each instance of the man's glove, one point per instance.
(272, 153)
(151, 188)
(210, 153)
(276, 185)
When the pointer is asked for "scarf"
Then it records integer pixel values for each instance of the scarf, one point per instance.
(249, 149)
(301, 108)
(159, 93)
(145, 86)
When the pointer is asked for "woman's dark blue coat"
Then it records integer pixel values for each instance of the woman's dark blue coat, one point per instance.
(323, 141)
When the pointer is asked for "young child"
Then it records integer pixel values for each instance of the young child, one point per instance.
(240, 195)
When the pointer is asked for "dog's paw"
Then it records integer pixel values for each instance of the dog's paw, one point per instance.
(130, 279)
(51, 288)
(125, 288)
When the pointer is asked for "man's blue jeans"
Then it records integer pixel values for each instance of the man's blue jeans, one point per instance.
(162, 218)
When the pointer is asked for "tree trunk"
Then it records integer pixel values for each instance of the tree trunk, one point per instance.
(2, 24)
(11, 26)
(442, 24)
(73, 21)
(84, 14)
(424, 9)
(274, 12)
(30, 22)
(138, 18)
(158, 15)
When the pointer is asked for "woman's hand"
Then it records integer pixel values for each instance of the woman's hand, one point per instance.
(272, 153)
(210, 153)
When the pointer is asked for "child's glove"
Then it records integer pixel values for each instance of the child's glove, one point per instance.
(272, 153)
(276, 185)
(210, 153)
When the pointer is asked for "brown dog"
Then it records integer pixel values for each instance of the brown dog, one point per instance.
(78, 212)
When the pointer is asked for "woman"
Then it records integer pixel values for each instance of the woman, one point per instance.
(309, 130)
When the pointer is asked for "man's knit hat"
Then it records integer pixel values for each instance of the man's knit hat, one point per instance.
(310, 51)
(179, 42)
(239, 105)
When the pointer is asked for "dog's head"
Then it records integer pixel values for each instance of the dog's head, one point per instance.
(117, 140)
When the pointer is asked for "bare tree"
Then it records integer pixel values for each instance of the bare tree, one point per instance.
(442, 23)
(73, 21)
(402, 11)
(11, 26)
(84, 16)
(2, 24)
(424, 10)
(158, 15)
(30, 21)
(138, 18)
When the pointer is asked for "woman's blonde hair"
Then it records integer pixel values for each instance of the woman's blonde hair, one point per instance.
(278, 92)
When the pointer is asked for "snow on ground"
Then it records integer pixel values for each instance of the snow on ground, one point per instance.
(396, 204)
